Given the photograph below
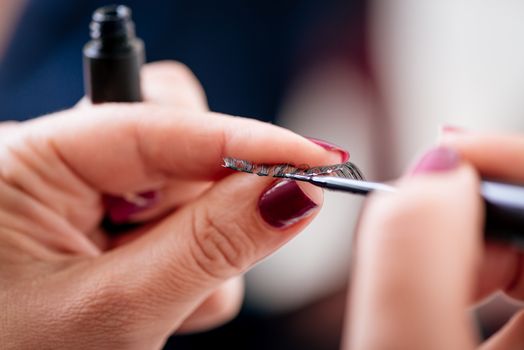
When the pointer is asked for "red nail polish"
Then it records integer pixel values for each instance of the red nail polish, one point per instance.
(448, 129)
(120, 209)
(439, 159)
(331, 147)
(284, 204)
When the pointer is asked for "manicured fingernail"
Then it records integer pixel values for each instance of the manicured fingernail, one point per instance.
(284, 204)
(344, 155)
(120, 209)
(439, 159)
(446, 131)
(451, 129)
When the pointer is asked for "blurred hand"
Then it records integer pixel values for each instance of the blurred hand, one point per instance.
(67, 284)
(421, 261)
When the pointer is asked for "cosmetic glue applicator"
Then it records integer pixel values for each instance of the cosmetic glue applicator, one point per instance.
(504, 203)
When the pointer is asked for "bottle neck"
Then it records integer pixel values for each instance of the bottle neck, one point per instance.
(112, 27)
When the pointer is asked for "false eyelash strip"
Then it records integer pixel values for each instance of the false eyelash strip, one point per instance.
(346, 170)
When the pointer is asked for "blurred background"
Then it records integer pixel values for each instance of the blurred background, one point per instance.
(378, 78)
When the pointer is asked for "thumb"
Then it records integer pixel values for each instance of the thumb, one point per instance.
(239, 221)
(416, 262)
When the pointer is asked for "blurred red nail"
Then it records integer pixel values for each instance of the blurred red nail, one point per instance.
(439, 159)
(284, 204)
(120, 209)
(448, 129)
(331, 147)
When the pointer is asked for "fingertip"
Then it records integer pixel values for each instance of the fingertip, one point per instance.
(342, 154)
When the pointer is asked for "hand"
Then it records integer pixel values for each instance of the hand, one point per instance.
(206, 226)
(421, 261)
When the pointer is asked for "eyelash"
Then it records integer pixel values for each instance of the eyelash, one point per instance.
(346, 170)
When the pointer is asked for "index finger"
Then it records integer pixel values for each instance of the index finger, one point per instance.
(121, 148)
(498, 156)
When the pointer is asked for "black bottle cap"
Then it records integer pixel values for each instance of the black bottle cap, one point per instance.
(112, 21)
(113, 57)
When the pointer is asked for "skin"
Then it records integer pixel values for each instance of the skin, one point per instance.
(421, 261)
(67, 284)
(74, 287)
(9, 12)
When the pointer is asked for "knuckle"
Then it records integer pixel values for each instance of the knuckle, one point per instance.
(174, 82)
(221, 248)
(25, 169)
(170, 69)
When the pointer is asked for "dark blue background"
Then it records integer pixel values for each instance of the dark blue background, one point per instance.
(243, 51)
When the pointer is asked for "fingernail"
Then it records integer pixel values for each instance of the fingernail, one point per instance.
(120, 209)
(284, 204)
(344, 155)
(451, 129)
(439, 159)
(446, 131)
